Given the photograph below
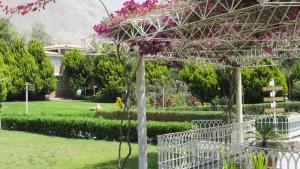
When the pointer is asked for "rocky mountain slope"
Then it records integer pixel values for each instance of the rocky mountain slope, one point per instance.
(67, 21)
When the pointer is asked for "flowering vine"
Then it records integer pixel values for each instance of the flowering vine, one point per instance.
(23, 8)
(132, 8)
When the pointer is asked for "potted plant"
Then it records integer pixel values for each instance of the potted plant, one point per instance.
(266, 132)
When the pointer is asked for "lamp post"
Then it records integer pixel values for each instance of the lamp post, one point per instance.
(27, 89)
(94, 88)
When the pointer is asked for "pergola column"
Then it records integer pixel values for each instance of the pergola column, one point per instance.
(239, 96)
(239, 101)
(141, 112)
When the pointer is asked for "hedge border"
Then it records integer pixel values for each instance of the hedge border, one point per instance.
(89, 128)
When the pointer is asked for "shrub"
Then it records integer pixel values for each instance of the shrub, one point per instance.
(296, 90)
(202, 80)
(255, 79)
(166, 116)
(247, 108)
(74, 127)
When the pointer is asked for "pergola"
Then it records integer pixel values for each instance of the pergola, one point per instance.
(234, 33)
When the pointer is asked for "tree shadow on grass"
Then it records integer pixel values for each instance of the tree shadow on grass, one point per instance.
(132, 163)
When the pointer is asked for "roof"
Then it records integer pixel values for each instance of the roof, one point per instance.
(53, 54)
(63, 46)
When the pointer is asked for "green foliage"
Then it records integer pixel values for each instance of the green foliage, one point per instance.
(296, 71)
(38, 33)
(255, 80)
(265, 131)
(5, 72)
(78, 70)
(6, 30)
(45, 70)
(296, 90)
(23, 69)
(231, 165)
(259, 161)
(75, 127)
(156, 72)
(202, 80)
(3, 84)
(108, 74)
(164, 116)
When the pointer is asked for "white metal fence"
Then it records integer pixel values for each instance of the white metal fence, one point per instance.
(210, 148)
(198, 124)
(286, 126)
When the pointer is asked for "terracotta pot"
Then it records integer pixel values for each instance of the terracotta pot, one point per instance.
(270, 162)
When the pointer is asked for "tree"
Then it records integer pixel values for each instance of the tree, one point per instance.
(202, 80)
(38, 33)
(156, 71)
(255, 79)
(108, 73)
(4, 84)
(78, 70)
(6, 60)
(45, 70)
(6, 30)
(25, 69)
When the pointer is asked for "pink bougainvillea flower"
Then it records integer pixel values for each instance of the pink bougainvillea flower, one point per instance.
(269, 50)
(23, 8)
(292, 13)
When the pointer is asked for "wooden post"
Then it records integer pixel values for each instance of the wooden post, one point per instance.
(141, 113)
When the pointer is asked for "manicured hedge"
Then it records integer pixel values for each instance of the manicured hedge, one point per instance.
(247, 108)
(74, 127)
(166, 116)
(259, 108)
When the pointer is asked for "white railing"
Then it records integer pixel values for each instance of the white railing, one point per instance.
(287, 126)
(186, 150)
(197, 124)
(209, 148)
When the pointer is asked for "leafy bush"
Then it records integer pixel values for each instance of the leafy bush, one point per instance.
(259, 161)
(296, 90)
(259, 108)
(78, 70)
(255, 79)
(166, 116)
(247, 108)
(202, 80)
(74, 127)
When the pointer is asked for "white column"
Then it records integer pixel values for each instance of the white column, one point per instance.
(141, 113)
(239, 97)
(239, 100)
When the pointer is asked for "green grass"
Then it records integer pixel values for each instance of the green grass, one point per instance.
(57, 106)
(21, 150)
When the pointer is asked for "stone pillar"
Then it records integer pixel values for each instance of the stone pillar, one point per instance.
(141, 113)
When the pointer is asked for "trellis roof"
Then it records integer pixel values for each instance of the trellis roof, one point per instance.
(232, 32)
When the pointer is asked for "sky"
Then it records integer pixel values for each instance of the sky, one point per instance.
(67, 21)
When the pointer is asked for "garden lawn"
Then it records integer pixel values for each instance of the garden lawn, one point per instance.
(21, 150)
(57, 106)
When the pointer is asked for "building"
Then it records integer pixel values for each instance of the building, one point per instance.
(55, 54)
